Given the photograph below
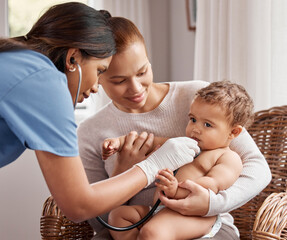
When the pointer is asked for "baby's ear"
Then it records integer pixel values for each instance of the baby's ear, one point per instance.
(236, 130)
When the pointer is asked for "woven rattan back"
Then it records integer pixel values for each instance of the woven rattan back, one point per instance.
(269, 131)
(55, 226)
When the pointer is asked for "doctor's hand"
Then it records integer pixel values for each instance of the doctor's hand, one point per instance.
(195, 204)
(173, 154)
(133, 151)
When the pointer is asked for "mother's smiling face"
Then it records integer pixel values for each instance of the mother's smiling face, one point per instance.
(129, 78)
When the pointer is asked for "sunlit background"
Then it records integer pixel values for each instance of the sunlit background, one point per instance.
(23, 14)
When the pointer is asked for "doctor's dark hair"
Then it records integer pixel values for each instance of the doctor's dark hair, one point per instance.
(232, 98)
(125, 32)
(70, 25)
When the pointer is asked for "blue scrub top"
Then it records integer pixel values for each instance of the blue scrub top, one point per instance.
(36, 108)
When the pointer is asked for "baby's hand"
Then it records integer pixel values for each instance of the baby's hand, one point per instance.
(167, 182)
(110, 146)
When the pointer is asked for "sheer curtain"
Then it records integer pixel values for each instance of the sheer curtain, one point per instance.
(135, 10)
(245, 42)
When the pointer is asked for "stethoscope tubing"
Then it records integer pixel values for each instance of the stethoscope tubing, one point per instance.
(79, 84)
(121, 229)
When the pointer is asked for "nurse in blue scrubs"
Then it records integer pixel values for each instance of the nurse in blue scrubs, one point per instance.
(42, 76)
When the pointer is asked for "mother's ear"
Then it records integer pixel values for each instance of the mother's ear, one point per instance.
(236, 130)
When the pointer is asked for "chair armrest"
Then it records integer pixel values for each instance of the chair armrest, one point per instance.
(55, 225)
(271, 219)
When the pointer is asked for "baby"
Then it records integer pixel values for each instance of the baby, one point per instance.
(217, 115)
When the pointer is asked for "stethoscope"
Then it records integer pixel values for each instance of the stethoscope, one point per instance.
(105, 224)
(72, 60)
(79, 85)
(121, 229)
(146, 217)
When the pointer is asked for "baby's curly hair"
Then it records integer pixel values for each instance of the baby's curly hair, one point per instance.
(233, 98)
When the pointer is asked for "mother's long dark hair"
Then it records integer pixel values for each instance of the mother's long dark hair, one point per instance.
(64, 26)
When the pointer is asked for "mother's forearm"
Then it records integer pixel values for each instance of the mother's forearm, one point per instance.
(254, 178)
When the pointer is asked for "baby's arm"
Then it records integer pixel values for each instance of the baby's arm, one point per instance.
(112, 145)
(220, 177)
(167, 183)
(223, 174)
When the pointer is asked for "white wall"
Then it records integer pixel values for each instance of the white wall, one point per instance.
(182, 42)
(160, 43)
(172, 43)
(22, 194)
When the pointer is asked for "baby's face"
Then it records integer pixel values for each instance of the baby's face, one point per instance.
(208, 125)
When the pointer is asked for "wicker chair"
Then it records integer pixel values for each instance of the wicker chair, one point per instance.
(54, 225)
(263, 217)
(269, 131)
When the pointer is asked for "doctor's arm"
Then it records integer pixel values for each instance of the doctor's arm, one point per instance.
(133, 148)
(68, 183)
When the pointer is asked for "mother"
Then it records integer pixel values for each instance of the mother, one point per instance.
(40, 83)
(160, 108)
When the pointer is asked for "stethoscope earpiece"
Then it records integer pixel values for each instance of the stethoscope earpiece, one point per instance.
(72, 60)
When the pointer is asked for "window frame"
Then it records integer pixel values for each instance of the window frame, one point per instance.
(4, 26)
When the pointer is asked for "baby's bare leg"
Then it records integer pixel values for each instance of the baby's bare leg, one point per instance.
(170, 225)
(124, 216)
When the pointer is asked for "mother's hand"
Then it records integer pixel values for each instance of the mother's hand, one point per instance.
(195, 204)
(134, 151)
